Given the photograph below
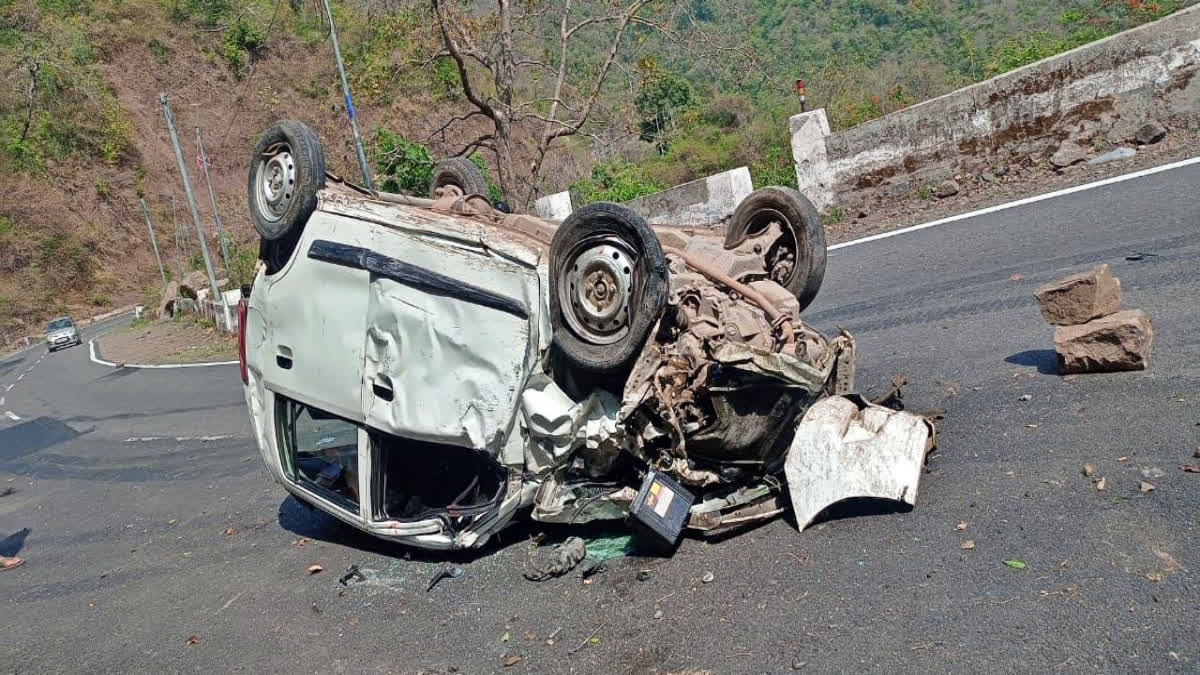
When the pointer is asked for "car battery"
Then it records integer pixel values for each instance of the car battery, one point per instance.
(660, 508)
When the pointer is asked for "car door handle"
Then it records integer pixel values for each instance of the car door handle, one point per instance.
(283, 357)
(382, 386)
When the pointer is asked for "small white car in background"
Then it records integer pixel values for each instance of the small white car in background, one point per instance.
(61, 333)
(427, 369)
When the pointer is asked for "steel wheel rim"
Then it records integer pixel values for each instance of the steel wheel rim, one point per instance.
(276, 184)
(598, 281)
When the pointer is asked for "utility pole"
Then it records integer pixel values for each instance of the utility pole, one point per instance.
(154, 244)
(358, 147)
(178, 242)
(217, 295)
(181, 243)
(203, 161)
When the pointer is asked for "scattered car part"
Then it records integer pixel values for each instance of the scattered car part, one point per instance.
(352, 572)
(796, 261)
(459, 172)
(608, 284)
(557, 560)
(661, 508)
(447, 572)
(846, 447)
(593, 567)
(894, 397)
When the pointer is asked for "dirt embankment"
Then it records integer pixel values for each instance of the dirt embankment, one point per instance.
(993, 185)
(79, 243)
(185, 340)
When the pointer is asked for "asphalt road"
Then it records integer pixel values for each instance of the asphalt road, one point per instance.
(124, 504)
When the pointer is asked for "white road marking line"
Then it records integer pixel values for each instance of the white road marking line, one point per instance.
(12, 416)
(178, 439)
(1, 400)
(9, 387)
(102, 362)
(1021, 202)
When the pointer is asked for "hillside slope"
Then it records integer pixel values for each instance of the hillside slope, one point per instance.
(82, 136)
(72, 236)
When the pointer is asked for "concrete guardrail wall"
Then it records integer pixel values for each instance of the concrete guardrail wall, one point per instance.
(1111, 87)
(705, 201)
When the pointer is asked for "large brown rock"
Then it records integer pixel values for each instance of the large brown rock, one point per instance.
(1080, 297)
(166, 306)
(192, 283)
(1116, 342)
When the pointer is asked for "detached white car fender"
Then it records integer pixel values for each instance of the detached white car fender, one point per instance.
(846, 448)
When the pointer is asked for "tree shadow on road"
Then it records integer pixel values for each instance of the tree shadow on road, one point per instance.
(1045, 360)
(34, 435)
(13, 543)
(8, 365)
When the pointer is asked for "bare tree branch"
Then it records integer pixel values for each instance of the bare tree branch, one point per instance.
(628, 16)
(456, 54)
(485, 141)
(539, 91)
(457, 118)
(32, 65)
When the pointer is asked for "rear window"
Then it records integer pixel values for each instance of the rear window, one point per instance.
(59, 324)
(320, 451)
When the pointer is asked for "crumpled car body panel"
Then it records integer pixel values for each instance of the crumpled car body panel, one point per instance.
(847, 448)
(443, 367)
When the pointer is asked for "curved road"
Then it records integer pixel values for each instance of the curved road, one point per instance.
(141, 529)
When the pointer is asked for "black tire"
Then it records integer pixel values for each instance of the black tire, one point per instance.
(799, 218)
(295, 182)
(461, 173)
(608, 224)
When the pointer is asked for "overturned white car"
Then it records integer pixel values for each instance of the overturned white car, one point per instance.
(427, 369)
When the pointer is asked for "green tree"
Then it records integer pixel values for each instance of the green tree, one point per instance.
(661, 95)
(401, 165)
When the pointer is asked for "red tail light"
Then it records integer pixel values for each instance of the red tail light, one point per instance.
(241, 318)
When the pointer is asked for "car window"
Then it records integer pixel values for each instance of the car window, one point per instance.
(59, 324)
(320, 450)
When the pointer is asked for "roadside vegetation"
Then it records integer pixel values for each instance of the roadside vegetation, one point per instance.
(79, 145)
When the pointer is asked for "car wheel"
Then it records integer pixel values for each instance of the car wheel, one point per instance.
(797, 260)
(461, 173)
(287, 169)
(608, 286)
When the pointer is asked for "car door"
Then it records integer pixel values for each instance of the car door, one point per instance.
(449, 339)
(314, 313)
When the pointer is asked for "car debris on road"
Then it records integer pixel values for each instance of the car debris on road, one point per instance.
(598, 368)
(447, 572)
(557, 560)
